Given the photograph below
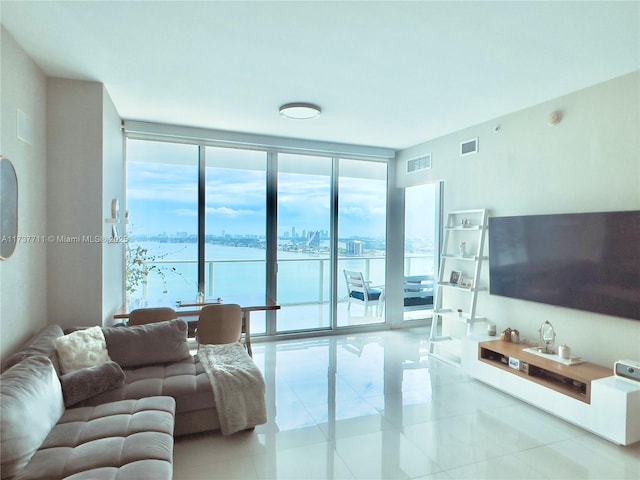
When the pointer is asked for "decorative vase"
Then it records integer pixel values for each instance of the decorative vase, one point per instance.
(564, 352)
(515, 336)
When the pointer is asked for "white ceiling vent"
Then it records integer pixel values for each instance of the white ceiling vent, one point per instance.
(420, 163)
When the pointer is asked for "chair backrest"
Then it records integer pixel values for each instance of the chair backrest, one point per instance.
(356, 282)
(418, 292)
(219, 324)
(142, 316)
(418, 286)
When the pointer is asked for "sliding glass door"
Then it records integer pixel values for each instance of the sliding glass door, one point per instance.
(420, 249)
(304, 242)
(254, 227)
(235, 228)
(362, 224)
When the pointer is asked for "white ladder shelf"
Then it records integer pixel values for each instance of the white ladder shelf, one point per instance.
(459, 273)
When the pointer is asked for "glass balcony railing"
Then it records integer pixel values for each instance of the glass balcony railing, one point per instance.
(300, 281)
(303, 287)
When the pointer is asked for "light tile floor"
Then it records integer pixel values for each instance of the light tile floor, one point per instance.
(374, 406)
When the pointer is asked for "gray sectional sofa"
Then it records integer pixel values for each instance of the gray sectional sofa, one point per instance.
(112, 421)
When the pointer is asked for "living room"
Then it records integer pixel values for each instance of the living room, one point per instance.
(69, 164)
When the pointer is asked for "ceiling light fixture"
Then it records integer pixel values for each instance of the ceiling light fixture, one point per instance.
(300, 111)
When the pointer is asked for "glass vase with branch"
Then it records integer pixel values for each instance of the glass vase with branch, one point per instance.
(140, 264)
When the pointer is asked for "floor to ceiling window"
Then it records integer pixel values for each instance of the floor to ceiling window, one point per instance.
(235, 228)
(304, 242)
(162, 204)
(420, 249)
(362, 214)
(252, 226)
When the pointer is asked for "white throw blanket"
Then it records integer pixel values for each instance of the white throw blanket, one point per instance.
(238, 386)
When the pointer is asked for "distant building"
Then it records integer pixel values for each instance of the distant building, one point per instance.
(314, 239)
(355, 248)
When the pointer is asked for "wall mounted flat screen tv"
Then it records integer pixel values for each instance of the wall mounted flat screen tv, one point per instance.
(585, 261)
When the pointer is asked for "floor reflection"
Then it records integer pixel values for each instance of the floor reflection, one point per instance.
(348, 386)
(373, 405)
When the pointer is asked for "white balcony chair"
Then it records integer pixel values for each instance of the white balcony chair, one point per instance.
(360, 291)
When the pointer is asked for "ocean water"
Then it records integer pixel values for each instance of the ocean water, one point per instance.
(238, 273)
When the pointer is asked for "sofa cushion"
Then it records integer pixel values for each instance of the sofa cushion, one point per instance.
(30, 405)
(119, 440)
(374, 294)
(186, 381)
(82, 349)
(42, 343)
(87, 382)
(415, 301)
(161, 342)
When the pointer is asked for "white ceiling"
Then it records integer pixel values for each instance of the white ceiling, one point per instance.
(385, 73)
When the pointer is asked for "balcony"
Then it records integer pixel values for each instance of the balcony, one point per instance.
(303, 288)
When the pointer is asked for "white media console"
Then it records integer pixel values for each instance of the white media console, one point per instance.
(586, 395)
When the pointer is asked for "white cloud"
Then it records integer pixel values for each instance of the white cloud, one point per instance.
(229, 212)
(184, 212)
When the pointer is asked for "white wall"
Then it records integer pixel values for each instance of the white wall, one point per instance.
(23, 287)
(590, 161)
(68, 172)
(86, 165)
(112, 187)
(394, 282)
(74, 209)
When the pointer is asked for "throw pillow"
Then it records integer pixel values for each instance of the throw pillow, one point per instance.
(82, 349)
(87, 382)
(30, 405)
(138, 345)
(42, 343)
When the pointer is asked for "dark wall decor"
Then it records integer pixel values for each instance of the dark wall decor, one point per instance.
(8, 208)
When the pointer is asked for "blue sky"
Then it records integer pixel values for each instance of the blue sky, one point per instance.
(162, 193)
(163, 198)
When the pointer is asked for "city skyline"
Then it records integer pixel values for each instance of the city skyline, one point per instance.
(324, 235)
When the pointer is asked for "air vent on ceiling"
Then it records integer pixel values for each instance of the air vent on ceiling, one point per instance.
(420, 163)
